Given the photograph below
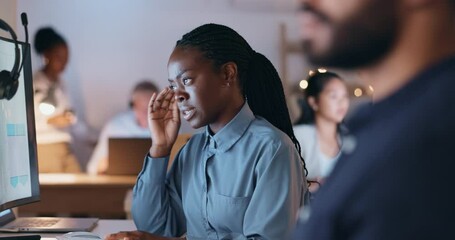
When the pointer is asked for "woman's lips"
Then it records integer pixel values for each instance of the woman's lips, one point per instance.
(188, 113)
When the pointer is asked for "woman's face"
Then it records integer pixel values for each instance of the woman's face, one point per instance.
(333, 102)
(57, 58)
(200, 90)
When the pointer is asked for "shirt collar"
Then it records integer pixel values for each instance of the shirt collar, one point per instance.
(224, 139)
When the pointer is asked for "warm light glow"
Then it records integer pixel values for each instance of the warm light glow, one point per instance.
(46, 108)
(322, 70)
(358, 92)
(303, 84)
(371, 88)
(311, 73)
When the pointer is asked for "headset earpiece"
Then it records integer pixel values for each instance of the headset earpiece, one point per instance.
(9, 80)
(8, 86)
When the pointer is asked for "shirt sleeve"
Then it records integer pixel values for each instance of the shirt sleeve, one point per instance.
(100, 151)
(157, 205)
(272, 212)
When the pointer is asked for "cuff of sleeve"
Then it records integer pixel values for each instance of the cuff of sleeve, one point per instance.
(155, 169)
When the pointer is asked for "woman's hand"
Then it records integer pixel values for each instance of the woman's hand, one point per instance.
(137, 235)
(164, 122)
(63, 120)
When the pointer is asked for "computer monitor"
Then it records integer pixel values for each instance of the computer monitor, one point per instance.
(19, 183)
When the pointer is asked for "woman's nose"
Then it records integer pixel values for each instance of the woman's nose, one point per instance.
(180, 95)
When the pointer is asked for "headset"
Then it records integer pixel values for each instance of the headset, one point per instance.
(9, 79)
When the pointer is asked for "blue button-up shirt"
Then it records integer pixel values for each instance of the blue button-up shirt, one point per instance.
(244, 182)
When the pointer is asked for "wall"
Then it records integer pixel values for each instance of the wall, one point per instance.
(8, 14)
(115, 43)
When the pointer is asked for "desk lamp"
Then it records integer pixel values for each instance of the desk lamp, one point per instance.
(47, 105)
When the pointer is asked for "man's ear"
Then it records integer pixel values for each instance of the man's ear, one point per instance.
(229, 71)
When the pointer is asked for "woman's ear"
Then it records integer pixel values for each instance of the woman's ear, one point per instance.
(312, 103)
(230, 74)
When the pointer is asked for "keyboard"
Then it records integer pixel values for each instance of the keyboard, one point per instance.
(33, 223)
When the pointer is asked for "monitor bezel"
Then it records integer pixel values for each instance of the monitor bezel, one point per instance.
(28, 88)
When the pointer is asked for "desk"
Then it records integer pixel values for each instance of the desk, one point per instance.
(81, 195)
(103, 228)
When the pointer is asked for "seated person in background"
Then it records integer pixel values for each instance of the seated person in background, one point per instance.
(319, 127)
(131, 123)
(53, 113)
(241, 178)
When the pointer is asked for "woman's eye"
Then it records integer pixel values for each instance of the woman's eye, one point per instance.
(172, 87)
(186, 81)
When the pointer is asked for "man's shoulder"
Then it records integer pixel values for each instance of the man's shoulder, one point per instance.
(122, 116)
(121, 121)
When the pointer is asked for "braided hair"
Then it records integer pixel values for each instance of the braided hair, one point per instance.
(259, 81)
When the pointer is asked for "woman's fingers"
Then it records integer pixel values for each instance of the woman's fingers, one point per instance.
(160, 104)
(166, 101)
(152, 100)
(160, 101)
(175, 110)
(124, 236)
(133, 235)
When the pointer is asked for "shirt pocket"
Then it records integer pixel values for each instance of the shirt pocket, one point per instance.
(226, 213)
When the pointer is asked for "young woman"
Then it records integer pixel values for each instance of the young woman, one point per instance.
(319, 133)
(242, 177)
(52, 122)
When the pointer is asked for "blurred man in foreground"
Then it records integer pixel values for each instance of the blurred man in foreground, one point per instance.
(394, 178)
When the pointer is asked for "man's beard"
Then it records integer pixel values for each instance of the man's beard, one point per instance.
(360, 40)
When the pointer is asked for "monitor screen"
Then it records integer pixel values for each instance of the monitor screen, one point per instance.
(19, 182)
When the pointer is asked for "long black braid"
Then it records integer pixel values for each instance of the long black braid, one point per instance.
(259, 80)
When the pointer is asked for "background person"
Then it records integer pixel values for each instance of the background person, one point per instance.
(318, 129)
(128, 124)
(53, 113)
